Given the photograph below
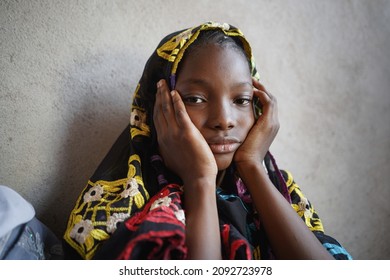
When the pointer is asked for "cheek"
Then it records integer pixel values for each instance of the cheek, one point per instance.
(196, 118)
(246, 123)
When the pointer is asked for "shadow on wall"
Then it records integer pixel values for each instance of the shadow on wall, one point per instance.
(94, 108)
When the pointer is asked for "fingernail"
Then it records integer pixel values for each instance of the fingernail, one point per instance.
(160, 83)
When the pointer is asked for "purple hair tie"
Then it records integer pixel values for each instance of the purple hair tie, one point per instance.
(173, 81)
(155, 158)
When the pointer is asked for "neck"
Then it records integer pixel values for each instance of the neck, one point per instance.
(220, 176)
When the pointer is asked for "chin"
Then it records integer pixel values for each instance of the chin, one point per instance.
(223, 161)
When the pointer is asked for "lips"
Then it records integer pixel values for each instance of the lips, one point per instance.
(223, 145)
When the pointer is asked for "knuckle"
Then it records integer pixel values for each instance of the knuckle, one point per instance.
(180, 117)
(176, 100)
(165, 107)
(180, 113)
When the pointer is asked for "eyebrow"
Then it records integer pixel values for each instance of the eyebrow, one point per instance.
(205, 83)
(196, 81)
(240, 84)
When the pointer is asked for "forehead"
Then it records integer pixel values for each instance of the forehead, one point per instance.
(212, 61)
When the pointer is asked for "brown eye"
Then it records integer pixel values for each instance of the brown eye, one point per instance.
(243, 101)
(193, 100)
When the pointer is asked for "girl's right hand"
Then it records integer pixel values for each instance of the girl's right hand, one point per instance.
(181, 145)
(186, 152)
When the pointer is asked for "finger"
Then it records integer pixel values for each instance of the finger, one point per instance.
(181, 115)
(269, 117)
(259, 85)
(158, 117)
(166, 104)
(269, 105)
(263, 97)
(267, 100)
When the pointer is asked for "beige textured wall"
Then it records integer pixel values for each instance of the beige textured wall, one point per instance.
(68, 68)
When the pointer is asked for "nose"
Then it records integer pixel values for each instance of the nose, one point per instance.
(222, 116)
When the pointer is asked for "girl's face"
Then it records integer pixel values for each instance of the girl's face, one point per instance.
(216, 86)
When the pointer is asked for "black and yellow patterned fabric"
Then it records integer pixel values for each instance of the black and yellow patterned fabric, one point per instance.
(132, 201)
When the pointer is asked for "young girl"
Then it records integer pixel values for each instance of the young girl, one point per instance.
(195, 180)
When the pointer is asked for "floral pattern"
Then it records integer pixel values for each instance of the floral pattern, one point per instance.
(137, 118)
(132, 188)
(223, 26)
(183, 36)
(93, 194)
(113, 221)
(163, 201)
(180, 216)
(81, 231)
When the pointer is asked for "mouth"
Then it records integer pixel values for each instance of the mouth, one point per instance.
(223, 145)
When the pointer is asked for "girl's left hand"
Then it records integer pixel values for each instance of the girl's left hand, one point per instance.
(263, 132)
